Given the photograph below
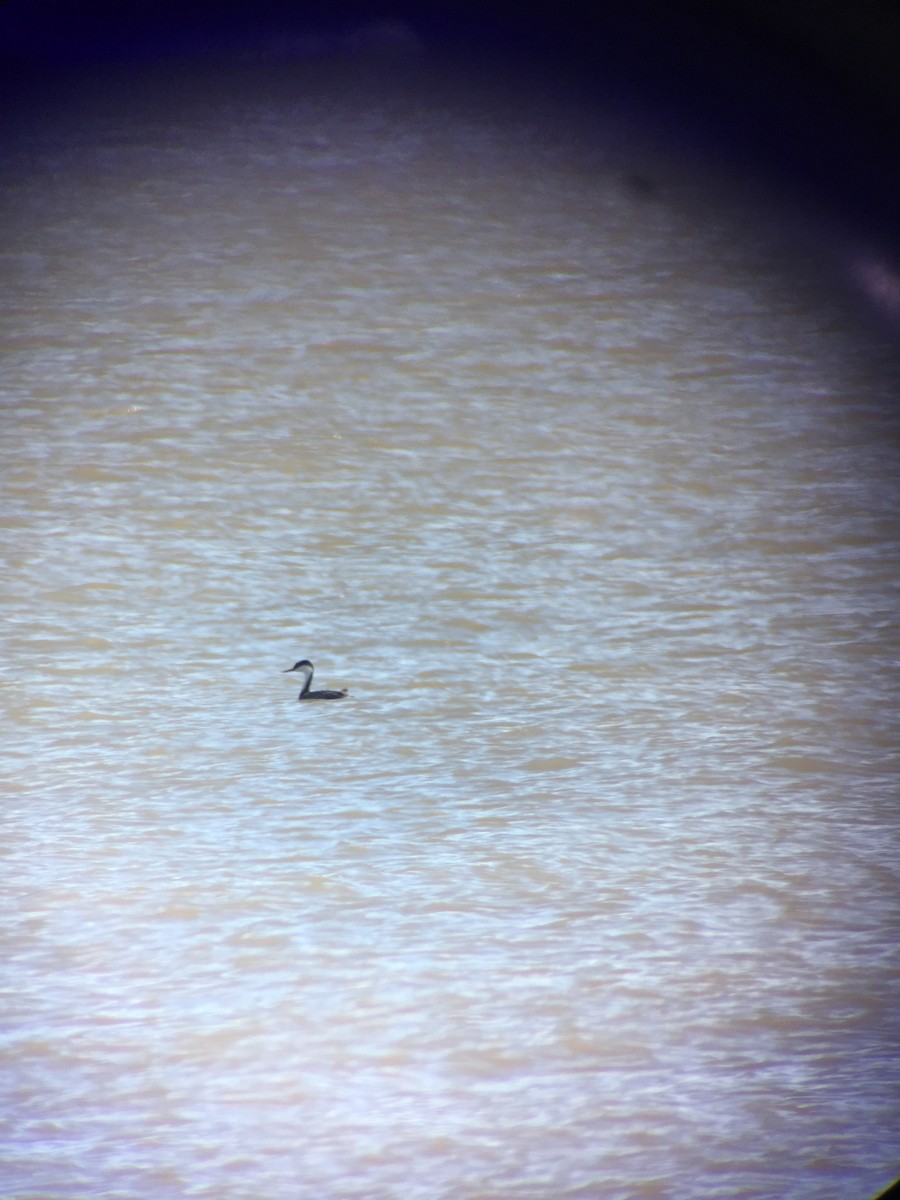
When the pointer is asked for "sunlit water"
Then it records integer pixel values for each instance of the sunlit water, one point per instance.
(588, 889)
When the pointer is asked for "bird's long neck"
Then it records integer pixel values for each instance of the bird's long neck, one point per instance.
(307, 680)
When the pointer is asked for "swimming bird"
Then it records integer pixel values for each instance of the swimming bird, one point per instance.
(306, 667)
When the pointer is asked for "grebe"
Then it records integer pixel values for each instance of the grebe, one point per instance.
(306, 667)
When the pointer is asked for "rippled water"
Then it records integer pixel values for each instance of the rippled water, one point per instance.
(590, 498)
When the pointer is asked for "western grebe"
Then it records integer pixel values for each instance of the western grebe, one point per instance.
(306, 667)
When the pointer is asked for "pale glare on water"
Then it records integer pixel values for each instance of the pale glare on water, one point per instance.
(556, 459)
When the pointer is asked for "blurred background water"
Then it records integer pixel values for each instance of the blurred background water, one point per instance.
(560, 456)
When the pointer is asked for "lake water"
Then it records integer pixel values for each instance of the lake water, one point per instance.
(559, 461)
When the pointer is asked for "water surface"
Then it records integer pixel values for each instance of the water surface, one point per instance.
(589, 496)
